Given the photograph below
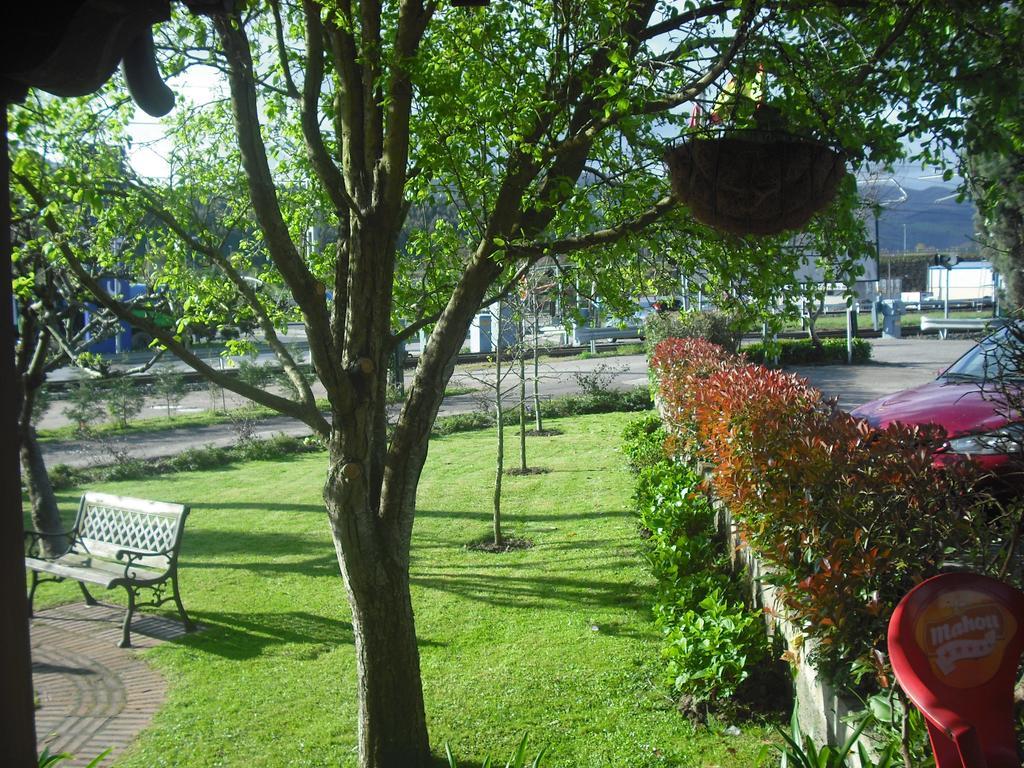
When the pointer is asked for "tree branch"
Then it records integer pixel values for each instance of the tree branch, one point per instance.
(301, 411)
(886, 45)
(324, 167)
(677, 20)
(247, 292)
(305, 288)
(413, 19)
(602, 236)
(282, 51)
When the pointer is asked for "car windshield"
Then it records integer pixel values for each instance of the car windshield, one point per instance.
(1000, 356)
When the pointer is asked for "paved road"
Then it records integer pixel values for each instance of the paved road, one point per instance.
(898, 363)
(558, 377)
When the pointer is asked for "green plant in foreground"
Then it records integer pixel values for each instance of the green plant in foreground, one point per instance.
(710, 650)
(518, 759)
(46, 760)
(643, 441)
(800, 751)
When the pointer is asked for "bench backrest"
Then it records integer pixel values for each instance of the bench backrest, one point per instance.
(108, 523)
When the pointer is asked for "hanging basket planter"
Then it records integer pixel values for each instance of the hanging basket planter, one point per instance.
(755, 182)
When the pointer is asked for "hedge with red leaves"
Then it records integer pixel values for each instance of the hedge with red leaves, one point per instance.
(847, 518)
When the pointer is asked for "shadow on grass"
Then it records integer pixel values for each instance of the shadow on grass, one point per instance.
(248, 635)
(534, 593)
(216, 541)
(326, 565)
(518, 516)
(295, 635)
(199, 506)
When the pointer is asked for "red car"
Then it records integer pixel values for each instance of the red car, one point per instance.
(977, 400)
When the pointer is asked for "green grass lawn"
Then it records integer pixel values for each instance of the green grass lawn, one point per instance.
(555, 640)
(837, 322)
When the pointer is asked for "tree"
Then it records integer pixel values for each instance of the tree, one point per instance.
(169, 386)
(998, 184)
(56, 328)
(124, 399)
(84, 404)
(542, 124)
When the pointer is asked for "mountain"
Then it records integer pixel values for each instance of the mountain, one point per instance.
(933, 219)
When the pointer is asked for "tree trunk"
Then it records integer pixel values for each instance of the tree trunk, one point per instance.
(392, 723)
(536, 374)
(499, 413)
(374, 559)
(522, 396)
(812, 320)
(45, 512)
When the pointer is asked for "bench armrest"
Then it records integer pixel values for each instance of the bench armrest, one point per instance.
(130, 553)
(34, 540)
(132, 556)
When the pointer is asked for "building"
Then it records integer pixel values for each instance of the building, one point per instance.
(966, 281)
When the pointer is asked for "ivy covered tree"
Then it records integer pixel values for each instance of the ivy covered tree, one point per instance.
(541, 124)
(57, 326)
(997, 181)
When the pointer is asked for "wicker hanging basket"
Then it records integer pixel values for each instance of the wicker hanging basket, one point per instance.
(755, 182)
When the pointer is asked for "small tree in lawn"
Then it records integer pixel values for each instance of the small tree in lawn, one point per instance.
(124, 399)
(84, 404)
(495, 392)
(169, 387)
(499, 418)
(536, 286)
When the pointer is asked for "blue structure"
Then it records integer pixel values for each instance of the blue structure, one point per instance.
(122, 340)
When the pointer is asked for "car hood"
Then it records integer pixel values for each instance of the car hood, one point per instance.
(960, 407)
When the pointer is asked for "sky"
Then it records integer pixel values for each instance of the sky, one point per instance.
(149, 145)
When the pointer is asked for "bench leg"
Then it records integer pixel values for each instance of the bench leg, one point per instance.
(89, 599)
(32, 591)
(189, 624)
(126, 628)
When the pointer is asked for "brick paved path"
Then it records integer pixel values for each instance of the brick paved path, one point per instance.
(91, 694)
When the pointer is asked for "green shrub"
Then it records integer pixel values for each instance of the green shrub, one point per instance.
(63, 476)
(274, 447)
(716, 327)
(195, 459)
(643, 441)
(124, 469)
(190, 460)
(608, 401)
(711, 640)
(711, 649)
(806, 352)
(678, 520)
(462, 422)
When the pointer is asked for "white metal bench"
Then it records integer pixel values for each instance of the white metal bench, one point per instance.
(585, 334)
(945, 324)
(117, 541)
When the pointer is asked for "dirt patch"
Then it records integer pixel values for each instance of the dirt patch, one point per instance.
(543, 432)
(508, 545)
(527, 471)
